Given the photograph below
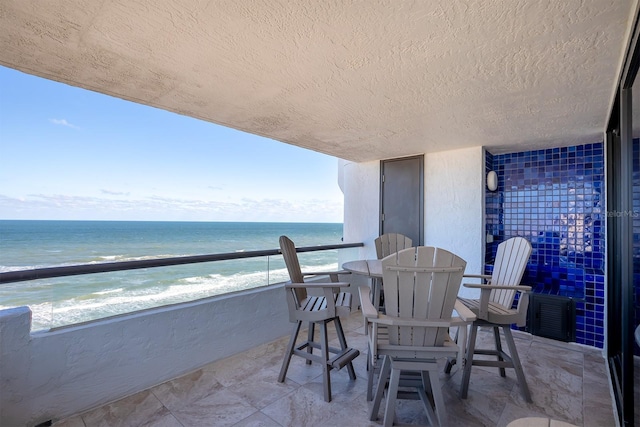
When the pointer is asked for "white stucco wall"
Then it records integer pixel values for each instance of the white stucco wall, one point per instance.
(50, 375)
(360, 183)
(454, 205)
(361, 187)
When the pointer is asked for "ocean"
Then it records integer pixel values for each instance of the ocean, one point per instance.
(69, 300)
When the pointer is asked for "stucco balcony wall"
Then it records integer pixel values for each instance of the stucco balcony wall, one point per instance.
(54, 374)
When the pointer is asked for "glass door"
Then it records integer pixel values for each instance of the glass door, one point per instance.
(623, 238)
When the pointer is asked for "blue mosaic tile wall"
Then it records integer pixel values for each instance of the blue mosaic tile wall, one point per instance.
(555, 198)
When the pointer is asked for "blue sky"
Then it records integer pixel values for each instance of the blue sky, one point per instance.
(69, 153)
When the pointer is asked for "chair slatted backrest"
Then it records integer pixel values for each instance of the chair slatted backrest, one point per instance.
(390, 243)
(421, 283)
(509, 266)
(288, 249)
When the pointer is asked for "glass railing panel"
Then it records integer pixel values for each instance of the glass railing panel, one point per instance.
(63, 301)
(323, 261)
(277, 271)
(89, 297)
(349, 254)
(318, 261)
(37, 294)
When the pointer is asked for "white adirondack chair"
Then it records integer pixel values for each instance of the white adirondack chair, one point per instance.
(494, 309)
(421, 286)
(320, 310)
(390, 243)
(387, 244)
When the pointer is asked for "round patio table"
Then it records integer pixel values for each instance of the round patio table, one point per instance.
(371, 268)
(365, 267)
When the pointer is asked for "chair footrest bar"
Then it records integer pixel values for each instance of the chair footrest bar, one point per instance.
(409, 395)
(507, 362)
(493, 363)
(317, 346)
(490, 352)
(409, 379)
(312, 357)
(344, 358)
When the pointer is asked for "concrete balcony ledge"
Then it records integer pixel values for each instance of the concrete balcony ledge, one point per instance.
(54, 374)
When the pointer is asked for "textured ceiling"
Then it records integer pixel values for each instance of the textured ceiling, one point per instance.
(360, 80)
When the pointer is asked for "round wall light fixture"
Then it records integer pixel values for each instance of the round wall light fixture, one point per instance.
(492, 181)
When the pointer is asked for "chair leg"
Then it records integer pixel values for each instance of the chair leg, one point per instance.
(392, 393)
(310, 337)
(464, 386)
(377, 285)
(343, 346)
(451, 361)
(516, 363)
(324, 350)
(460, 360)
(438, 400)
(426, 401)
(370, 377)
(289, 352)
(496, 338)
(430, 391)
(382, 382)
(462, 333)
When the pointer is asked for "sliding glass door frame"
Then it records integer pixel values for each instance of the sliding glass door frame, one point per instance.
(619, 197)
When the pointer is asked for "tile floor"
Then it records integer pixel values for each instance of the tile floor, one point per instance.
(568, 382)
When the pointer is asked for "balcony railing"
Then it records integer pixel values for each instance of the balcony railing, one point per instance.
(160, 281)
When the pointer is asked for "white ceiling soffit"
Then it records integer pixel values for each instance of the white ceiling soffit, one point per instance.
(359, 80)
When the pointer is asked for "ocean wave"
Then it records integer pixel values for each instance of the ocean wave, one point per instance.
(9, 268)
(89, 260)
(109, 302)
(122, 300)
(109, 291)
(41, 316)
(123, 258)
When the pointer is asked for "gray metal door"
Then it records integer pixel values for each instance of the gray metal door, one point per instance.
(402, 197)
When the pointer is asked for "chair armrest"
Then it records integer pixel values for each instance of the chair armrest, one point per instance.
(485, 293)
(310, 285)
(368, 310)
(520, 288)
(465, 315)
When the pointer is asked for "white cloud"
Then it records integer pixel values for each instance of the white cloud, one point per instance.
(158, 208)
(63, 122)
(114, 193)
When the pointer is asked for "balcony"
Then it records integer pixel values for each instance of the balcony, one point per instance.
(568, 383)
(450, 80)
